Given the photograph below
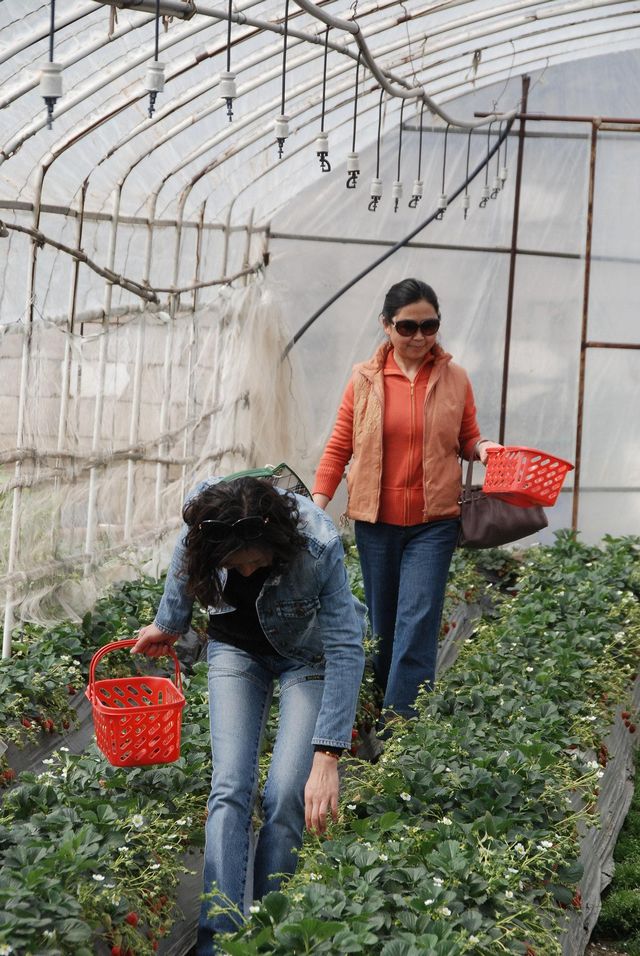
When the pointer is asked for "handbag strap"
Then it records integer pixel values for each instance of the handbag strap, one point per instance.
(469, 478)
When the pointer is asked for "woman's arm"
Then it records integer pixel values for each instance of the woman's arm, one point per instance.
(337, 452)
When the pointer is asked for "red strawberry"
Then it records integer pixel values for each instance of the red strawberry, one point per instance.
(625, 715)
(26, 722)
(632, 728)
(132, 919)
(116, 951)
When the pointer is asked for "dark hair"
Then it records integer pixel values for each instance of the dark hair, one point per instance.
(228, 501)
(405, 293)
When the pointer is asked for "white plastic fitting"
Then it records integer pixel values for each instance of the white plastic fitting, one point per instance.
(376, 188)
(418, 188)
(396, 190)
(322, 143)
(443, 201)
(227, 86)
(51, 80)
(353, 163)
(154, 80)
(281, 125)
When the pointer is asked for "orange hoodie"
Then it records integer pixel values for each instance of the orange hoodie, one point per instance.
(404, 437)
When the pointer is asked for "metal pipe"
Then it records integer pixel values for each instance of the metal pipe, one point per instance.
(611, 345)
(413, 92)
(92, 515)
(512, 265)
(41, 33)
(247, 245)
(134, 423)
(30, 81)
(112, 277)
(571, 118)
(174, 300)
(585, 319)
(395, 247)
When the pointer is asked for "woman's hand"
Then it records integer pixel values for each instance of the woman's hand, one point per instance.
(321, 793)
(484, 447)
(321, 500)
(153, 642)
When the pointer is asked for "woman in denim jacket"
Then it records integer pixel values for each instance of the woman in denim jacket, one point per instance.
(270, 568)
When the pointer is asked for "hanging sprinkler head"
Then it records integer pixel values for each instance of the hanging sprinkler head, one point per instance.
(154, 83)
(466, 203)
(353, 168)
(485, 193)
(282, 131)
(51, 87)
(503, 175)
(497, 185)
(396, 193)
(443, 202)
(417, 194)
(228, 91)
(376, 194)
(322, 152)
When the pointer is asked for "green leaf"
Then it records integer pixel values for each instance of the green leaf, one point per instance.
(276, 905)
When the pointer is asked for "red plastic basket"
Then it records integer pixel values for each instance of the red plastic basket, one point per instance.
(524, 476)
(137, 719)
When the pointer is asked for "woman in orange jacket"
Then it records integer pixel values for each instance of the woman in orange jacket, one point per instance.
(406, 418)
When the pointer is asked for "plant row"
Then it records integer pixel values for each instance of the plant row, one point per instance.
(620, 915)
(88, 850)
(464, 838)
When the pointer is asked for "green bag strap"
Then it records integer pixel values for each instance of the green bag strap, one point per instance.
(282, 476)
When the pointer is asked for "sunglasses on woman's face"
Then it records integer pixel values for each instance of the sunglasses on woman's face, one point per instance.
(407, 327)
(246, 529)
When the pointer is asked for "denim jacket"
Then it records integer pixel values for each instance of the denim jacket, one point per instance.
(307, 613)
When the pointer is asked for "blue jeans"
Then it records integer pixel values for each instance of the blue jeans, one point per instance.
(240, 693)
(405, 571)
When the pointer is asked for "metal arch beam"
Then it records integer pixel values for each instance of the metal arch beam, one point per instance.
(579, 5)
(277, 28)
(87, 91)
(393, 90)
(401, 89)
(451, 90)
(221, 136)
(62, 21)
(522, 61)
(25, 86)
(250, 140)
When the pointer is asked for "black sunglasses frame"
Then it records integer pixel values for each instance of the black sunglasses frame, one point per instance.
(427, 327)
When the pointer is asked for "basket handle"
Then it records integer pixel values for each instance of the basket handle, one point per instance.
(120, 645)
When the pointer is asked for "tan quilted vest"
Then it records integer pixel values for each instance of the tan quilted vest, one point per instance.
(443, 409)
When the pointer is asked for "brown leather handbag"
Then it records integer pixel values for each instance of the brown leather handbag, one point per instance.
(488, 522)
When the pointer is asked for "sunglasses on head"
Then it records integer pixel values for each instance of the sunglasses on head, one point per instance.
(407, 327)
(246, 529)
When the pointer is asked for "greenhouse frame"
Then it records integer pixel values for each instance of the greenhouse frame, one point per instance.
(202, 206)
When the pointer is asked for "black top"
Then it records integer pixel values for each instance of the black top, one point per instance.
(241, 627)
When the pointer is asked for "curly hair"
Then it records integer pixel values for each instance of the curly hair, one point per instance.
(229, 501)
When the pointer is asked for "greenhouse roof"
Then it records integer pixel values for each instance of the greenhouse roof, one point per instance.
(296, 59)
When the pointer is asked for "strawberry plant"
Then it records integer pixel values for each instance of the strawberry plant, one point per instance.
(464, 838)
